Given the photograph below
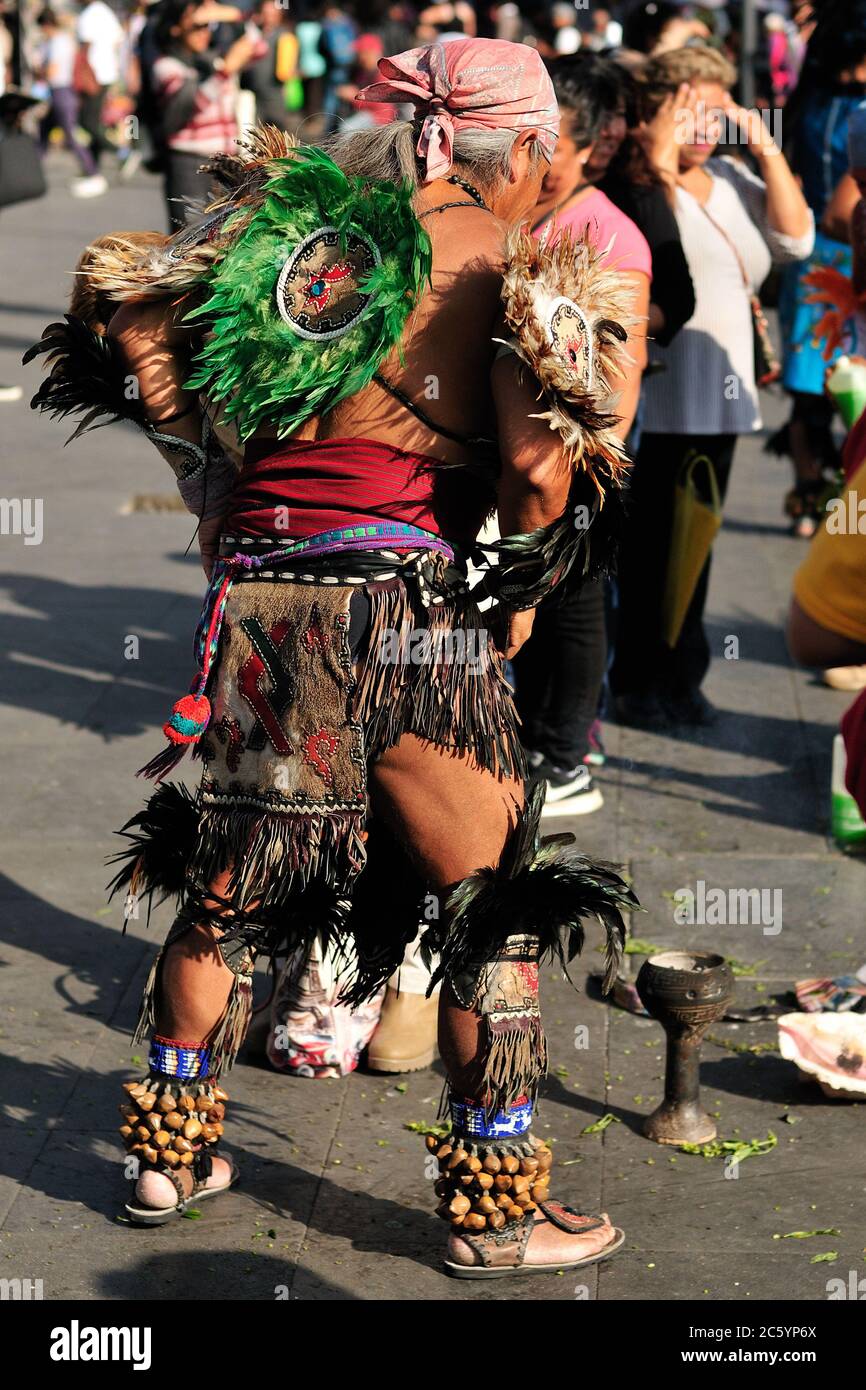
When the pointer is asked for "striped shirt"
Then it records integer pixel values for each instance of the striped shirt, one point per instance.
(212, 127)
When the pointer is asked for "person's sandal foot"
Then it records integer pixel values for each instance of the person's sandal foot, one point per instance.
(156, 1198)
(560, 1238)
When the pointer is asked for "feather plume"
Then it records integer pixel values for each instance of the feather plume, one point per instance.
(538, 890)
(536, 274)
(256, 362)
(130, 266)
(123, 268)
(161, 838)
(88, 377)
(264, 144)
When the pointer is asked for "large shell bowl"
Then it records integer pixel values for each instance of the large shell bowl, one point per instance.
(829, 1047)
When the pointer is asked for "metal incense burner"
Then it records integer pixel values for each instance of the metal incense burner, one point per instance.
(686, 991)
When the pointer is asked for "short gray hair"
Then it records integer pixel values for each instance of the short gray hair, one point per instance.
(388, 152)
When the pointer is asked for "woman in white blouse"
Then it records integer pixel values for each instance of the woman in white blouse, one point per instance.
(734, 224)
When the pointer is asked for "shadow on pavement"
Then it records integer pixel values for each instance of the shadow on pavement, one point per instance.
(65, 653)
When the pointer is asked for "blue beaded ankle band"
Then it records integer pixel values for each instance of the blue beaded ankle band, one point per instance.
(172, 1058)
(470, 1121)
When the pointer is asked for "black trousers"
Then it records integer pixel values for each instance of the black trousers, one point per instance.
(644, 664)
(560, 670)
(184, 180)
(90, 120)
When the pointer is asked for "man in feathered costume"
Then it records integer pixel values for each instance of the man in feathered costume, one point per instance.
(389, 359)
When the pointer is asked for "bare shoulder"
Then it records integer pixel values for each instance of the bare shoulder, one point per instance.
(468, 234)
(488, 236)
(469, 260)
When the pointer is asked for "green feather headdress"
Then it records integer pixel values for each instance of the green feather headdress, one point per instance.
(256, 361)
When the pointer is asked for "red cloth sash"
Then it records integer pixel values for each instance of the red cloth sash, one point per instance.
(328, 483)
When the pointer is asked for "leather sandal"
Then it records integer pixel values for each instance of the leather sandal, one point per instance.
(158, 1216)
(503, 1253)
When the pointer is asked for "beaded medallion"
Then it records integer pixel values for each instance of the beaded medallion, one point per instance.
(318, 289)
(571, 338)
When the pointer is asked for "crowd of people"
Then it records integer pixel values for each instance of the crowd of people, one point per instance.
(162, 79)
(697, 201)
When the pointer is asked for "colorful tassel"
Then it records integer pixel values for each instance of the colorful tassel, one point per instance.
(189, 719)
(191, 714)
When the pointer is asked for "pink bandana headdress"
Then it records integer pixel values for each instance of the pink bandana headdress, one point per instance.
(466, 84)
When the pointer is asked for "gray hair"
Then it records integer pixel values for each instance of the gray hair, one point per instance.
(388, 152)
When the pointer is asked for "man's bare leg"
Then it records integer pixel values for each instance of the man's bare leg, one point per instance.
(194, 988)
(453, 818)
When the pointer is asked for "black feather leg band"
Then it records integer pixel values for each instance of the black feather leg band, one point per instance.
(537, 890)
(162, 839)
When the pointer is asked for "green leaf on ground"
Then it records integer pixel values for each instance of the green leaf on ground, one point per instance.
(741, 967)
(601, 1125)
(805, 1235)
(828, 1258)
(192, 1214)
(423, 1127)
(755, 1048)
(735, 1150)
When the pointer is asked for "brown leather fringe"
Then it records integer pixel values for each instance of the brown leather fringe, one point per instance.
(226, 1039)
(455, 695)
(515, 1061)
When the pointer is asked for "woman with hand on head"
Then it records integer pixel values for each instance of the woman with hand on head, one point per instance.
(631, 165)
(734, 224)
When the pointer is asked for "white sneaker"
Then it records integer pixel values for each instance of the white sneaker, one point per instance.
(90, 187)
(11, 393)
(571, 794)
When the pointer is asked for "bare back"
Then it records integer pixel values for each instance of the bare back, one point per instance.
(447, 348)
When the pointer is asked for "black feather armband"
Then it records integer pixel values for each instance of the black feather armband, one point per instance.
(582, 542)
(89, 379)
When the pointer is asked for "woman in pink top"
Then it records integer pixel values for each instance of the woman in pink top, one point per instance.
(560, 670)
(570, 201)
